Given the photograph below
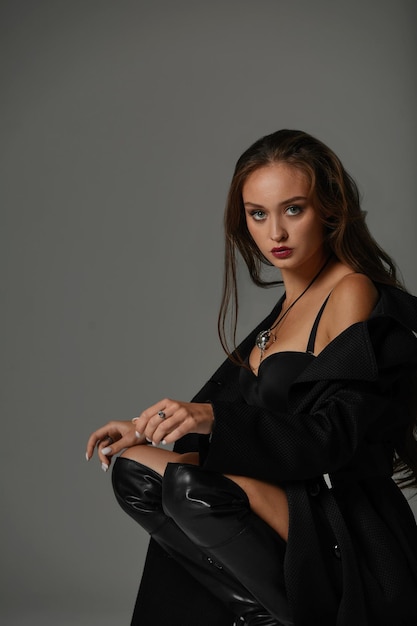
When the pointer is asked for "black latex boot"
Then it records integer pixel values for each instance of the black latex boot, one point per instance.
(138, 490)
(214, 513)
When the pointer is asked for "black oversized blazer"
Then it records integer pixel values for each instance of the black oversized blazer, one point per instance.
(351, 556)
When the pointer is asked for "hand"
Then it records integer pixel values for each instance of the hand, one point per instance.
(119, 435)
(169, 420)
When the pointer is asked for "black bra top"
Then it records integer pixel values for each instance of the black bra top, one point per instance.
(276, 373)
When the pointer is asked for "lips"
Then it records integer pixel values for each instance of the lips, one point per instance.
(281, 253)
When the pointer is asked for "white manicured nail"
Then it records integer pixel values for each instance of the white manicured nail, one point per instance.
(106, 451)
(104, 467)
(86, 456)
(137, 434)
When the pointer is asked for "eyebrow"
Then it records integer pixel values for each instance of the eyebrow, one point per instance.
(284, 202)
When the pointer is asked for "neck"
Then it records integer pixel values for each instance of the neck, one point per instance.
(295, 281)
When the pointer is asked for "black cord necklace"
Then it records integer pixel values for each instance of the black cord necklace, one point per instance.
(263, 339)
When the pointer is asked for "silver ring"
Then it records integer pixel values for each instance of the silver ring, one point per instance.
(162, 415)
(109, 439)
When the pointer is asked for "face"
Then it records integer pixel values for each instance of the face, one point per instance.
(281, 219)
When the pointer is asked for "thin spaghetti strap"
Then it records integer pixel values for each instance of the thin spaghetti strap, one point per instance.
(312, 338)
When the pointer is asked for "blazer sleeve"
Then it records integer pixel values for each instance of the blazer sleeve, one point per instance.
(287, 446)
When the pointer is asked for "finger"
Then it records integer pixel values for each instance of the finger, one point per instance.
(157, 431)
(102, 445)
(108, 450)
(163, 406)
(184, 428)
(105, 452)
(140, 435)
(158, 426)
(95, 439)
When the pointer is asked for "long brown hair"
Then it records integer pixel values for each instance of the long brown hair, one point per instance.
(335, 197)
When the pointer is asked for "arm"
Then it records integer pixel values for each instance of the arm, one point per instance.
(250, 441)
(162, 423)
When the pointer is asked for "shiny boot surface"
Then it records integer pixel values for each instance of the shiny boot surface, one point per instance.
(214, 513)
(138, 490)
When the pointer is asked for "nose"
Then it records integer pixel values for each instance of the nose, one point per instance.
(277, 231)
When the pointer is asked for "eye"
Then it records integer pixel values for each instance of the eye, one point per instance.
(258, 215)
(294, 209)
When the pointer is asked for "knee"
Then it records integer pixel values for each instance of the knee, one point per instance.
(196, 498)
(137, 487)
(175, 483)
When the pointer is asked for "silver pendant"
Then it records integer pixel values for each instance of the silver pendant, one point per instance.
(262, 340)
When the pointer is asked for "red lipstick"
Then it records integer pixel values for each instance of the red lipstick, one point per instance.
(282, 252)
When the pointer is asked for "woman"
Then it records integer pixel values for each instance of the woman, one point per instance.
(278, 499)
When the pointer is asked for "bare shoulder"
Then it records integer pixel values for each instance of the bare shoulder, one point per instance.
(352, 300)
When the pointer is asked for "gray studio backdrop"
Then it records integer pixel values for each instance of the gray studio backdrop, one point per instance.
(120, 125)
